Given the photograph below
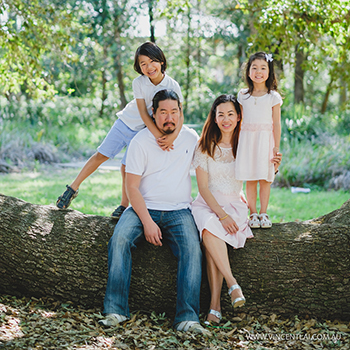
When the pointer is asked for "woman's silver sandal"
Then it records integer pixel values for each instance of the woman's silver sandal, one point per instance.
(217, 314)
(238, 302)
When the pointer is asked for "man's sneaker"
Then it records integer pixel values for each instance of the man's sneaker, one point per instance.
(193, 327)
(112, 320)
(64, 201)
(118, 212)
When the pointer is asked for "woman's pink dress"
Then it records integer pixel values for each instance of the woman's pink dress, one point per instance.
(227, 191)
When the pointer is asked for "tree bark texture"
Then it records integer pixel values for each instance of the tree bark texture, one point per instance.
(295, 268)
(151, 22)
(299, 76)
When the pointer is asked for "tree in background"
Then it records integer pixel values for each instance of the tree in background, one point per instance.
(85, 49)
(28, 31)
(102, 49)
(310, 35)
(205, 45)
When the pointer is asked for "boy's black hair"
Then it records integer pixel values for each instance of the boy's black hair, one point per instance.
(163, 95)
(152, 51)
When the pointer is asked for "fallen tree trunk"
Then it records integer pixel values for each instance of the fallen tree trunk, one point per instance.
(292, 269)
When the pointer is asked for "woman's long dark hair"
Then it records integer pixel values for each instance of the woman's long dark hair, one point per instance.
(271, 82)
(211, 134)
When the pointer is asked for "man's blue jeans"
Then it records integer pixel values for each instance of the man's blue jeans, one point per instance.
(180, 232)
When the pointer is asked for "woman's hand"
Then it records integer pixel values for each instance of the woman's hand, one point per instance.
(276, 160)
(243, 199)
(229, 225)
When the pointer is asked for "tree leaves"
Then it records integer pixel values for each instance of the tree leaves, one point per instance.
(29, 30)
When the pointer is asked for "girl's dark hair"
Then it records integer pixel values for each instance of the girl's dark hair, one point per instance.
(163, 95)
(152, 51)
(211, 134)
(271, 82)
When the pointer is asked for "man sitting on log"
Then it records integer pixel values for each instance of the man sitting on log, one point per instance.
(158, 184)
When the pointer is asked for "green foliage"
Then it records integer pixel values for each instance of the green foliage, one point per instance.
(67, 127)
(284, 24)
(60, 111)
(302, 122)
(314, 162)
(86, 48)
(28, 31)
(319, 29)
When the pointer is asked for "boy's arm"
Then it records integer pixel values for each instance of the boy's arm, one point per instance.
(146, 118)
(166, 141)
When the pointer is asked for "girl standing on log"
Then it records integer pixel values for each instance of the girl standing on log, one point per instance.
(260, 135)
(150, 63)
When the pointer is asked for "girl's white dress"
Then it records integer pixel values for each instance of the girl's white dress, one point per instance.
(256, 142)
(227, 191)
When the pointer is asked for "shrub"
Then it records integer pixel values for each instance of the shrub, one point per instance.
(314, 161)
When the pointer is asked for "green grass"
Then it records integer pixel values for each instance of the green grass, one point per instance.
(100, 194)
(285, 206)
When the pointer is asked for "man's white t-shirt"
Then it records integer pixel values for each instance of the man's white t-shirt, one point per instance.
(143, 88)
(165, 176)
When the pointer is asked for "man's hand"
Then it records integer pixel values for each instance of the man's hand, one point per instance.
(153, 233)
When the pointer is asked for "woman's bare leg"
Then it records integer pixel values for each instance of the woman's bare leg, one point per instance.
(215, 279)
(217, 249)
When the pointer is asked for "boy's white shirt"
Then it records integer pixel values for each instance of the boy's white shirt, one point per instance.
(144, 89)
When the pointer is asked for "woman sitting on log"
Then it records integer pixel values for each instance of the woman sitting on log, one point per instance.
(220, 209)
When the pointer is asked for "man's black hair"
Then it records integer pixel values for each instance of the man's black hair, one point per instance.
(163, 95)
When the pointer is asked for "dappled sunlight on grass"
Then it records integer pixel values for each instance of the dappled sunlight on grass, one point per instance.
(100, 193)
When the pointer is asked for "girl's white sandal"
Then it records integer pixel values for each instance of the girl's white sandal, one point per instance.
(265, 221)
(254, 221)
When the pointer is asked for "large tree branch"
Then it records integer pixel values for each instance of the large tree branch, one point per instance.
(291, 269)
